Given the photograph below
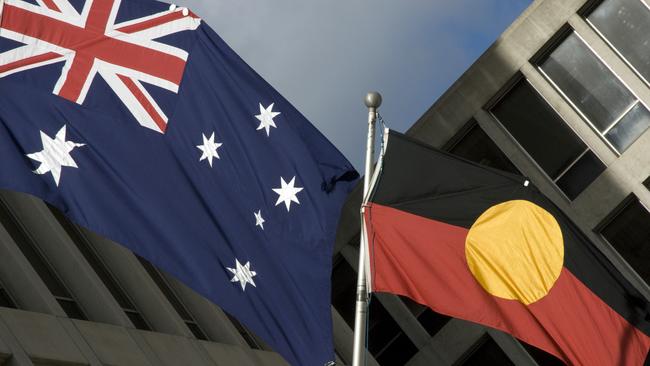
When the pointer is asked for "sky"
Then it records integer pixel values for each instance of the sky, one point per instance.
(324, 56)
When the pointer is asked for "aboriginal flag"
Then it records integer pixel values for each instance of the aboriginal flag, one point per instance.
(486, 246)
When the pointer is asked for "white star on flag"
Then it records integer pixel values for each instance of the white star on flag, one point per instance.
(287, 192)
(266, 118)
(242, 274)
(259, 220)
(55, 154)
(209, 148)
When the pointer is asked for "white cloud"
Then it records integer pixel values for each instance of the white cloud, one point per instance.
(324, 56)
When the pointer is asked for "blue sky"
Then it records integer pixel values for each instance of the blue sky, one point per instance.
(324, 56)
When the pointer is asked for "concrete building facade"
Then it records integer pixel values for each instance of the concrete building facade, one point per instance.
(561, 97)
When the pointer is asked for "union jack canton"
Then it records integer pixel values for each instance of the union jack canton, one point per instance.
(91, 42)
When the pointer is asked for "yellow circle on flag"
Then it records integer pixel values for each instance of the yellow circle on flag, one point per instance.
(515, 251)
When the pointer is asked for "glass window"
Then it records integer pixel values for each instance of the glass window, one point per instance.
(625, 24)
(102, 271)
(173, 299)
(486, 353)
(40, 264)
(537, 127)
(344, 289)
(429, 319)
(583, 171)
(6, 300)
(629, 127)
(646, 183)
(610, 108)
(386, 340)
(629, 232)
(472, 143)
(542, 358)
(248, 336)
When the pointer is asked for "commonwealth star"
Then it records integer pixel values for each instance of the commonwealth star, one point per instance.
(55, 154)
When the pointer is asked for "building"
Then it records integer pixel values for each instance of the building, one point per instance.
(561, 97)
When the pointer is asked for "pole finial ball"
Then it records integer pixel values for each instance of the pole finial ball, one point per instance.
(373, 100)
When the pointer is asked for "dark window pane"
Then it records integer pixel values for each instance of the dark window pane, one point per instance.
(196, 330)
(629, 128)
(137, 320)
(580, 175)
(646, 183)
(488, 353)
(245, 333)
(165, 288)
(173, 299)
(344, 287)
(626, 25)
(629, 233)
(429, 319)
(542, 358)
(587, 82)
(92, 259)
(71, 308)
(398, 351)
(34, 257)
(100, 269)
(472, 143)
(5, 299)
(40, 265)
(386, 341)
(536, 126)
(432, 321)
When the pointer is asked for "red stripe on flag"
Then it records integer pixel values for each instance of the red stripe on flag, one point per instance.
(165, 18)
(51, 5)
(425, 260)
(28, 61)
(144, 101)
(76, 77)
(100, 10)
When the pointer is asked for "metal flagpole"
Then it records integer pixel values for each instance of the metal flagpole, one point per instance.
(373, 101)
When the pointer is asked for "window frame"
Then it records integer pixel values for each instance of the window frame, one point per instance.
(175, 301)
(514, 81)
(9, 296)
(612, 215)
(584, 13)
(544, 53)
(29, 243)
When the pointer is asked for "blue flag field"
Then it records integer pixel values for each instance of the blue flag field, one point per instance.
(138, 122)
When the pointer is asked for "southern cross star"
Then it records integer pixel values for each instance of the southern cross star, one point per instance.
(242, 274)
(266, 118)
(209, 148)
(259, 220)
(287, 192)
(55, 154)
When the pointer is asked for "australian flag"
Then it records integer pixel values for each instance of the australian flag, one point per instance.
(137, 121)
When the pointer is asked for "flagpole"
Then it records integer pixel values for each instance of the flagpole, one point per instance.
(372, 101)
